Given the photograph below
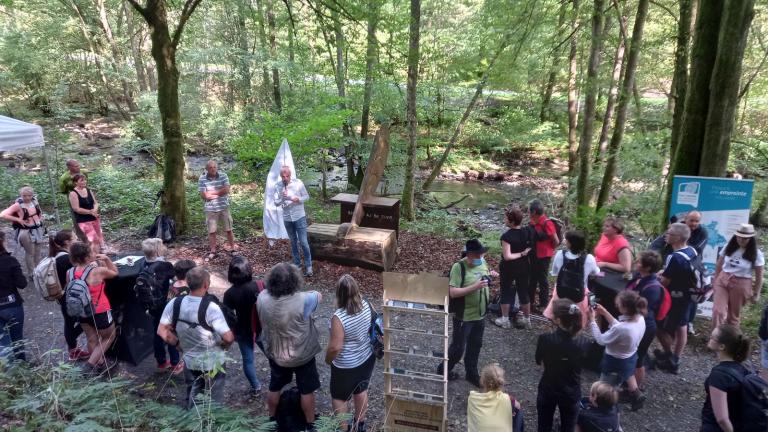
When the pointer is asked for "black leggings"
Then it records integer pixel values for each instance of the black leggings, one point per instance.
(514, 281)
(72, 328)
(539, 278)
(548, 401)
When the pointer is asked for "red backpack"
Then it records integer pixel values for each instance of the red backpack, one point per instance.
(666, 300)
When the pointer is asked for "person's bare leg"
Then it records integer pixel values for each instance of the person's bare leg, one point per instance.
(231, 240)
(340, 407)
(526, 308)
(273, 398)
(632, 384)
(640, 376)
(665, 339)
(308, 406)
(104, 340)
(505, 310)
(212, 242)
(90, 336)
(361, 405)
(681, 338)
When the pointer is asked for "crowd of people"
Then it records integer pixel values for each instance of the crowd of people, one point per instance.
(656, 299)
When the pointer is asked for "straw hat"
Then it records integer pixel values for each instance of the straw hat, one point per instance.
(745, 231)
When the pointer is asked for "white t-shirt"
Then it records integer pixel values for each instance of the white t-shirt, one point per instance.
(738, 266)
(201, 348)
(590, 264)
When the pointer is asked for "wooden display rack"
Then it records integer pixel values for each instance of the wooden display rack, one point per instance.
(424, 296)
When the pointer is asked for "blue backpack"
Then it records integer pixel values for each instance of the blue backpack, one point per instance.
(376, 333)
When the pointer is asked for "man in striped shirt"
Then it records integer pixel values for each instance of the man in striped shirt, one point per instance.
(214, 189)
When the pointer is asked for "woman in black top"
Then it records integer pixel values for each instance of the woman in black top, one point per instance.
(241, 297)
(11, 310)
(514, 268)
(58, 248)
(561, 353)
(721, 411)
(84, 205)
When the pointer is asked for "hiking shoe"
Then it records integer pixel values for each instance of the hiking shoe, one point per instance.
(76, 354)
(503, 322)
(162, 367)
(177, 369)
(527, 323)
(473, 379)
(308, 273)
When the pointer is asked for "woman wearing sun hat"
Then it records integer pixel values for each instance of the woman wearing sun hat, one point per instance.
(739, 262)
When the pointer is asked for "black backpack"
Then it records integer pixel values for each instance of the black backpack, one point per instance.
(570, 278)
(149, 288)
(164, 228)
(229, 314)
(289, 415)
(754, 400)
(456, 304)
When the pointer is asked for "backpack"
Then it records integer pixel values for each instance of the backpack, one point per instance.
(456, 304)
(228, 313)
(570, 278)
(542, 235)
(77, 296)
(666, 301)
(164, 228)
(149, 289)
(46, 278)
(25, 213)
(701, 281)
(289, 415)
(376, 333)
(754, 400)
(255, 320)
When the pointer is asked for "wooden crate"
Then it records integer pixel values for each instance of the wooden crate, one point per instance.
(364, 247)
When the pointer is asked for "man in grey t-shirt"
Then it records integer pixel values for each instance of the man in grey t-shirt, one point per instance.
(203, 344)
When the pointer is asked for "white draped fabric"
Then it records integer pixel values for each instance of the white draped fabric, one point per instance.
(273, 214)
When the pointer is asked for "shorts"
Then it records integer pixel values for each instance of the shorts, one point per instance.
(92, 231)
(307, 378)
(102, 320)
(352, 381)
(615, 371)
(645, 343)
(213, 219)
(679, 315)
(764, 353)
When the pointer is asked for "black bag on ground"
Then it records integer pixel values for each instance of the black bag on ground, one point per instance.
(570, 279)
(164, 228)
(289, 415)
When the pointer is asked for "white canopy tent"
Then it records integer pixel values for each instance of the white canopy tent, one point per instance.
(17, 135)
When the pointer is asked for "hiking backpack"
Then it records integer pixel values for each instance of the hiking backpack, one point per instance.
(376, 332)
(229, 314)
(25, 213)
(456, 304)
(542, 235)
(701, 281)
(164, 228)
(46, 278)
(666, 301)
(754, 400)
(149, 289)
(570, 278)
(77, 296)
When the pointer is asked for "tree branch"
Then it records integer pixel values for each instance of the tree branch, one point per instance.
(186, 12)
(141, 10)
(666, 9)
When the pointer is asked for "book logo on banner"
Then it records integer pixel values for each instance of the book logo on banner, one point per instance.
(688, 194)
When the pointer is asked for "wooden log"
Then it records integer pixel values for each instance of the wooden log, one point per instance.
(364, 247)
(373, 172)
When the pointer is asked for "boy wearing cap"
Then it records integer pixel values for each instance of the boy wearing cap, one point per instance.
(738, 262)
(469, 279)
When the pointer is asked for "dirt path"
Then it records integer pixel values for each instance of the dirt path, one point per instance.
(674, 402)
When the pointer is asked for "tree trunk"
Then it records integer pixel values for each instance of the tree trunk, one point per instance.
(136, 54)
(637, 98)
(117, 56)
(723, 99)
(371, 53)
(408, 199)
(265, 81)
(613, 92)
(243, 63)
(273, 56)
(550, 86)
(573, 102)
(590, 106)
(680, 74)
(624, 97)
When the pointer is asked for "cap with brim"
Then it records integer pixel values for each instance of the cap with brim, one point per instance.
(745, 231)
(474, 245)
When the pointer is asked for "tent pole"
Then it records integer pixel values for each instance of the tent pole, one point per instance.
(50, 183)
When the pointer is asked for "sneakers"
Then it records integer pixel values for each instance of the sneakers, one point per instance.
(503, 322)
(76, 354)
(178, 368)
(309, 273)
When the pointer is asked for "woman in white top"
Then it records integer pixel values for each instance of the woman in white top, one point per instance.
(621, 341)
(575, 252)
(349, 351)
(27, 223)
(738, 262)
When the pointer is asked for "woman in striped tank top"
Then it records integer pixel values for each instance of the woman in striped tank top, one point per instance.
(349, 352)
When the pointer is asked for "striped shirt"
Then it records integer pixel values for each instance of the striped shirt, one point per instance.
(357, 345)
(217, 183)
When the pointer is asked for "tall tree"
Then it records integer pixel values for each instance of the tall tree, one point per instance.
(135, 38)
(590, 106)
(273, 56)
(263, 51)
(613, 90)
(243, 63)
(724, 91)
(118, 60)
(680, 74)
(408, 198)
(624, 98)
(549, 87)
(573, 102)
(371, 53)
(164, 46)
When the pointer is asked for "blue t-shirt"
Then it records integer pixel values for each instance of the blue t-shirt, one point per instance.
(680, 274)
(649, 288)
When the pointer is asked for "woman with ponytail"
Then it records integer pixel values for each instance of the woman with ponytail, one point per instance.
(621, 341)
(58, 248)
(723, 385)
(561, 353)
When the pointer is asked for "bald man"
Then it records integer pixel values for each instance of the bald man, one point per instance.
(697, 240)
(291, 194)
(67, 185)
(214, 190)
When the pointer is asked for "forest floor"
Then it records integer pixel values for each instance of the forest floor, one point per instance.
(674, 401)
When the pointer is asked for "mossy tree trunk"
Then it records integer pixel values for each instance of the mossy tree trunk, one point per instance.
(613, 91)
(408, 198)
(573, 102)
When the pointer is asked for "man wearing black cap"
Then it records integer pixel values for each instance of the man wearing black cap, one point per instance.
(468, 283)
